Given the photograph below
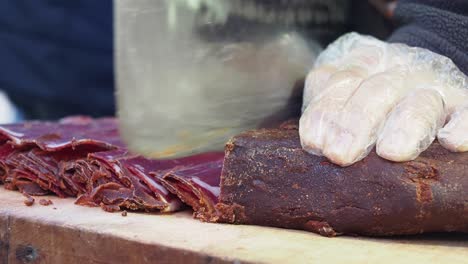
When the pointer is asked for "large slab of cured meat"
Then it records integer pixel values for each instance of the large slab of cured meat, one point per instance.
(269, 180)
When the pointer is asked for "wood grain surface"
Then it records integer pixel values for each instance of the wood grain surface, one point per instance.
(66, 233)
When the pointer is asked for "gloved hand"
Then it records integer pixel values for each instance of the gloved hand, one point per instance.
(364, 92)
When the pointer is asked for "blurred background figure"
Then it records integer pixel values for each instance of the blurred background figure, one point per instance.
(57, 56)
(56, 59)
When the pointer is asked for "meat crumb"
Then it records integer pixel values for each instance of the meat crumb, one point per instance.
(124, 213)
(29, 200)
(45, 202)
(110, 208)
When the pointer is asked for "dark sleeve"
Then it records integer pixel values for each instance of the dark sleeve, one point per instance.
(57, 57)
(438, 25)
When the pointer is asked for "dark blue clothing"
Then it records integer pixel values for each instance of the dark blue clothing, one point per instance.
(438, 25)
(57, 56)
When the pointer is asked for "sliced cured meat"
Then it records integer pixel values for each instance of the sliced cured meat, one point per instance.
(42, 167)
(140, 168)
(197, 185)
(30, 188)
(133, 171)
(85, 158)
(269, 180)
(151, 173)
(5, 151)
(136, 183)
(117, 179)
(33, 151)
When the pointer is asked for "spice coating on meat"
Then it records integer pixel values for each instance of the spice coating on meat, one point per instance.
(269, 180)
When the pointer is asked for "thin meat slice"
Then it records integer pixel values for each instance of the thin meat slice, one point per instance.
(101, 134)
(5, 151)
(136, 170)
(141, 168)
(151, 172)
(113, 197)
(34, 151)
(25, 182)
(14, 172)
(42, 167)
(198, 185)
(145, 178)
(75, 176)
(30, 188)
(118, 180)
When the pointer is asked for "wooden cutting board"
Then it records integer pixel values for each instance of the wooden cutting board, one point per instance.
(67, 233)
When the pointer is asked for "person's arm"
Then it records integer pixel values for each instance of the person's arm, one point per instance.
(437, 25)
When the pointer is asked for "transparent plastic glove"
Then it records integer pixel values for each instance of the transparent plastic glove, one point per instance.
(363, 92)
(454, 136)
(412, 126)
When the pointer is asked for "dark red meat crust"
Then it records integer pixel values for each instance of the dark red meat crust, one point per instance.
(269, 180)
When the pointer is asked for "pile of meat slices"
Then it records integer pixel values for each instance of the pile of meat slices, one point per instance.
(85, 158)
